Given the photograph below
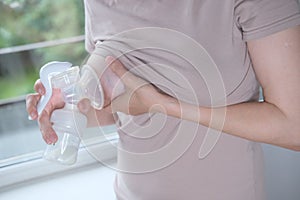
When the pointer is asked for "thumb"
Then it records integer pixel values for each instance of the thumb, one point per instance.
(107, 109)
(114, 106)
(84, 106)
(116, 66)
(39, 87)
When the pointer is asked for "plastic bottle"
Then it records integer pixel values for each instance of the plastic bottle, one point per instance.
(69, 123)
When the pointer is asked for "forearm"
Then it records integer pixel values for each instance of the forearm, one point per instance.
(276, 121)
(261, 122)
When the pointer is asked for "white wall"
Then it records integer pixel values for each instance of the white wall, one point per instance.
(282, 173)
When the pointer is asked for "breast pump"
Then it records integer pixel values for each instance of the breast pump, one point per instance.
(75, 85)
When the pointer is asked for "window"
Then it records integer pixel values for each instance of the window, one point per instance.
(32, 33)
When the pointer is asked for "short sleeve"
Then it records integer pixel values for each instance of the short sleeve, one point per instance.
(259, 18)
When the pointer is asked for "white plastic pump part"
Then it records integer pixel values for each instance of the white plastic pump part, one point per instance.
(48, 70)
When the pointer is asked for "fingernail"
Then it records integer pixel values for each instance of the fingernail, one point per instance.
(40, 91)
(53, 138)
(33, 115)
(48, 141)
(83, 107)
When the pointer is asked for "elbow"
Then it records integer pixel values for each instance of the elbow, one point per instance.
(295, 140)
(291, 145)
(295, 148)
(290, 139)
(296, 145)
(297, 137)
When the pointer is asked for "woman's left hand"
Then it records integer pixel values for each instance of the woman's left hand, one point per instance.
(140, 96)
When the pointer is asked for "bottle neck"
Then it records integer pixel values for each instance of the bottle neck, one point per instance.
(69, 106)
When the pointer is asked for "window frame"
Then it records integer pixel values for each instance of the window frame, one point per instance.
(19, 169)
(23, 168)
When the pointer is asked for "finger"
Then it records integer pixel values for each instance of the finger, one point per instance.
(121, 103)
(116, 66)
(108, 108)
(128, 78)
(39, 87)
(84, 106)
(31, 103)
(47, 131)
(55, 102)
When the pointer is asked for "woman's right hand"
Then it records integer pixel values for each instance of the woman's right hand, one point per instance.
(43, 119)
(101, 117)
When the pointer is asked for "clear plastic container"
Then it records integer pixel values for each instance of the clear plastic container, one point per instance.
(96, 83)
(68, 123)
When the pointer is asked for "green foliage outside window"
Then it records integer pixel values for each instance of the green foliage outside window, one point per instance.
(30, 21)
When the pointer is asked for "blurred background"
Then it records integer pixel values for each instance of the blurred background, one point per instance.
(34, 32)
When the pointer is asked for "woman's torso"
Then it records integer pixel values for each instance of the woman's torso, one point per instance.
(159, 155)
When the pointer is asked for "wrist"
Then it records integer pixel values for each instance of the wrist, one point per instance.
(170, 106)
(182, 110)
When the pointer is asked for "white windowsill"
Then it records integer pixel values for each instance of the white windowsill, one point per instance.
(90, 182)
(21, 176)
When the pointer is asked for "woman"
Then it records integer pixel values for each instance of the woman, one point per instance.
(250, 42)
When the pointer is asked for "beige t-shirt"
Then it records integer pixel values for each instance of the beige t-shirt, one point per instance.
(159, 156)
